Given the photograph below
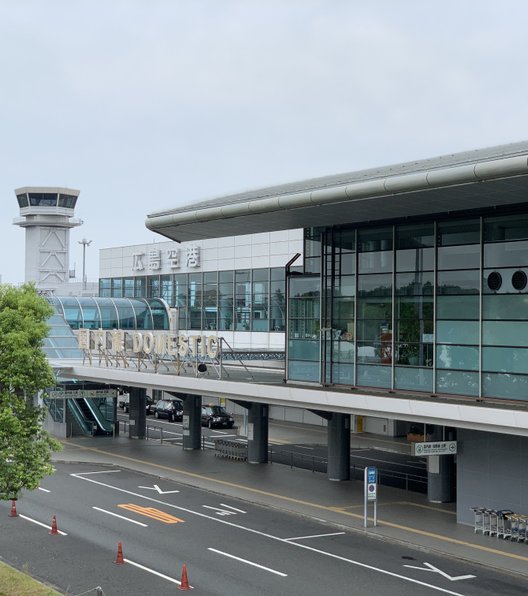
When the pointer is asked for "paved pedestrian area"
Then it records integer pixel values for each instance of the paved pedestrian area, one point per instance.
(402, 516)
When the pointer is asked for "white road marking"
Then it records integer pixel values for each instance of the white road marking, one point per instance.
(120, 517)
(219, 552)
(170, 579)
(270, 536)
(433, 569)
(44, 490)
(313, 536)
(101, 472)
(157, 488)
(304, 447)
(233, 508)
(219, 511)
(34, 521)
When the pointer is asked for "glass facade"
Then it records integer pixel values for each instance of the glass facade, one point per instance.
(435, 306)
(240, 300)
(112, 313)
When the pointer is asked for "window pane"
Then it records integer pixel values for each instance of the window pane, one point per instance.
(513, 360)
(502, 306)
(413, 379)
(458, 232)
(508, 254)
(303, 371)
(458, 282)
(342, 374)
(303, 350)
(375, 262)
(375, 285)
(416, 259)
(457, 307)
(505, 333)
(457, 357)
(411, 284)
(373, 376)
(505, 385)
(345, 285)
(455, 382)
(457, 332)
(511, 227)
(459, 257)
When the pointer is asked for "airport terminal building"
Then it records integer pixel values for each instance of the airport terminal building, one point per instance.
(399, 294)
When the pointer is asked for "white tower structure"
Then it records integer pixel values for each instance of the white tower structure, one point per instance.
(47, 215)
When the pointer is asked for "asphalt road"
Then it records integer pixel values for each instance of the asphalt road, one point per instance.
(229, 546)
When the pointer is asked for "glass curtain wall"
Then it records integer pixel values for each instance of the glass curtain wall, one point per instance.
(245, 300)
(435, 307)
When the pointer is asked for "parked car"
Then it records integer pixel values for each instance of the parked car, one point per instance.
(169, 408)
(216, 416)
(150, 405)
(122, 398)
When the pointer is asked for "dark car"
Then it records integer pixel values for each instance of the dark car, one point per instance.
(150, 405)
(169, 408)
(216, 416)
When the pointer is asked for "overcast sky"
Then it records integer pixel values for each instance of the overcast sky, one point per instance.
(147, 104)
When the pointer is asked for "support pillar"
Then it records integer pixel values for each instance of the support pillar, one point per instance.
(192, 421)
(138, 415)
(258, 418)
(440, 473)
(338, 447)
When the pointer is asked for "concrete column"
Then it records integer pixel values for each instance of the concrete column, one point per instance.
(137, 413)
(258, 417)
(339, 447)
(192, 421)
(440, 473)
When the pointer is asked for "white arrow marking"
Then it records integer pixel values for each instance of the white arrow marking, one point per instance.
(158, 489)
(434, 569)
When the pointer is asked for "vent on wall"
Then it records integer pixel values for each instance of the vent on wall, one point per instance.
(519, 280)
(494, 281)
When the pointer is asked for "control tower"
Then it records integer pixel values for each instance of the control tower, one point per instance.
(47, 215)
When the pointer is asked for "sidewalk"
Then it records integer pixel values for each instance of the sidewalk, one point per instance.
(402, 516)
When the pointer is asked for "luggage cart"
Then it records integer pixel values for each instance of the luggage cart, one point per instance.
(479, 518)
(515, 521)
(504, 524)
(493, 524)
(522, 532)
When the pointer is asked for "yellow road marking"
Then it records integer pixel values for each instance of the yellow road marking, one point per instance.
(301, 502)
(161, 516)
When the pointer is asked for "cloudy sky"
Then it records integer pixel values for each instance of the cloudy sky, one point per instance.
(147, 104)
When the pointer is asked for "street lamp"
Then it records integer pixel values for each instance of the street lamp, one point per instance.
(85, 243)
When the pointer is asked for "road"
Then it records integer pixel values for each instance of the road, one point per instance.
(229, 546)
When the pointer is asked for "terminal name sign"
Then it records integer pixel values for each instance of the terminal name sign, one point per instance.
(85, 393)
(148, 342)
(435, 448)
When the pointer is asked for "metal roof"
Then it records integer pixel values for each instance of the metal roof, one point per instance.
(488, 177)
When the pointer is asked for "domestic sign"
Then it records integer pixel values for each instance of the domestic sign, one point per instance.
(435, 448)
(83, 393)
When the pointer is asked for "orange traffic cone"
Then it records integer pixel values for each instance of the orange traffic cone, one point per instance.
(184, 581)
(54, 529)
(119, 560)
(13, 512)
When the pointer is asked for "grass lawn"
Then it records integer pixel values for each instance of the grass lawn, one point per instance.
(16, 583)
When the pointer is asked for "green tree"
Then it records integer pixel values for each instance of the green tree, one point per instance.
(25, 447)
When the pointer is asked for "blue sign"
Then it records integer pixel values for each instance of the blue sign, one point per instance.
(372, 475)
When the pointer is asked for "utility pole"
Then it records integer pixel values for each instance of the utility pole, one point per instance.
(84, 243)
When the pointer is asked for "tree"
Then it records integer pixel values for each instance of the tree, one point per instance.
(25, 447)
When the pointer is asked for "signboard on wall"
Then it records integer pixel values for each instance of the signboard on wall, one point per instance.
(435, 448)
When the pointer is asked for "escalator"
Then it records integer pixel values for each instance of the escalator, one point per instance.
(89, 417)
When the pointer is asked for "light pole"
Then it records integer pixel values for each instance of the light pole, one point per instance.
(85, 243)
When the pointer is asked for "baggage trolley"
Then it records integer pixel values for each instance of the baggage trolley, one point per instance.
(522, 532)
(493, 525)
(479, 519)
(504, 524)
